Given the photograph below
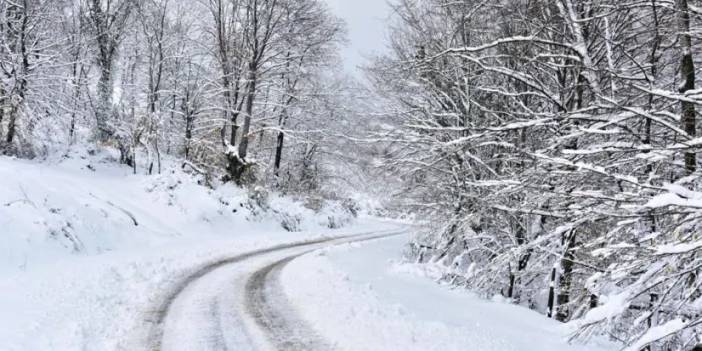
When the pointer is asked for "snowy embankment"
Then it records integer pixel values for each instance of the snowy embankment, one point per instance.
(88, 249)
(87, 204)
(361, 298)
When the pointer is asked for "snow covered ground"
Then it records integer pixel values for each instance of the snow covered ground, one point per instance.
(88, 248)
(105, 302)
(361, 298)
(89, 253)
(86, 204)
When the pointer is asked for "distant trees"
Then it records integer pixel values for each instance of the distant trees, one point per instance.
(558, 139)
(254, 45)
(149, 77)
(107, 21)
(26, 48)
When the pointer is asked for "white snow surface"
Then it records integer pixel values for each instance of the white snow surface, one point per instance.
(362, 298)
(76, 272)
(657, 333)
(87, 204)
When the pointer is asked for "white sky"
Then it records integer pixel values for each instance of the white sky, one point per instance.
(366, 29)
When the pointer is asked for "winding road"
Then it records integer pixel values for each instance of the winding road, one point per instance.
(237, 303)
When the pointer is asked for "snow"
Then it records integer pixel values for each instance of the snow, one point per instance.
(362, 298)
(613, 306)
(674, 249)
(657, 333)
(89, 249)
(676, 195)
(105, 302)
(86, 205)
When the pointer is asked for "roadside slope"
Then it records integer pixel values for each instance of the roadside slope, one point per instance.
(361, 299)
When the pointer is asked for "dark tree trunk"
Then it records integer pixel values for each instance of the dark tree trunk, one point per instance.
(11, 126)
(687, 74)
(20, 75)
(3, 100)
(278, 152)
(237, 162)
(566, 277)
(521, 263)
(188, 134)
(250, 97)
(109, 28)
(551, 294)
(76, 94)
(104, 105)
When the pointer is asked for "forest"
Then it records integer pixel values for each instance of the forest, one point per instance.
(218, 83)
(547, 148)
(557, 142)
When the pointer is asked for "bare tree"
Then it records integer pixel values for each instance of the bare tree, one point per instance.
(108, 21)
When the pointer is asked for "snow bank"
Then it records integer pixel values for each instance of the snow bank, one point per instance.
(364, 300)
(86, 204)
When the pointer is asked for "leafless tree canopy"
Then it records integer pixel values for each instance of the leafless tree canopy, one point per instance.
(552, 144)
(233, 86)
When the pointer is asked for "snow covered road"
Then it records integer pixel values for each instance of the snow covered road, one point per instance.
(235, 303)
(341, 293)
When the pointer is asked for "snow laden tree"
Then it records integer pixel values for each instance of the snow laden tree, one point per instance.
(107, 21)
(27, 49)
(558, 141)
(264, 49)
(234, 87)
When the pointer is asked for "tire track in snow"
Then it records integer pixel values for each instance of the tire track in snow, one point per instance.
(275, 315)
(160, 316)
(155, 337)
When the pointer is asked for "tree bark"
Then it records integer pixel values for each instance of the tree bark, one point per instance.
(250, 97)
(687, 75)
(551, 293)
(20, 76)
(3, 101)
(109, 28)
(565, 279)
(278, 153)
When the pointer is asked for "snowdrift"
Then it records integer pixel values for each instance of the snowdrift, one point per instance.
(86, 204)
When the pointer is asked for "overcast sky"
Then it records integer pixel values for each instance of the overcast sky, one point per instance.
(366, 25)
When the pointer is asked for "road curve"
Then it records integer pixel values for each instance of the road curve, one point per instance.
(236, 302)
(274, 315)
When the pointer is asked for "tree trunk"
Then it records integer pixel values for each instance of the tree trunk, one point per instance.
(188, 131)
(687, 75)
(551, 293)
(280, 142)
(3, 100)
(20, 78)
(251, 96)
(565, 279)
(104, 105)
(11, 126)
(237, 163)
(278, 153)
(76, 94)
(521, 263)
